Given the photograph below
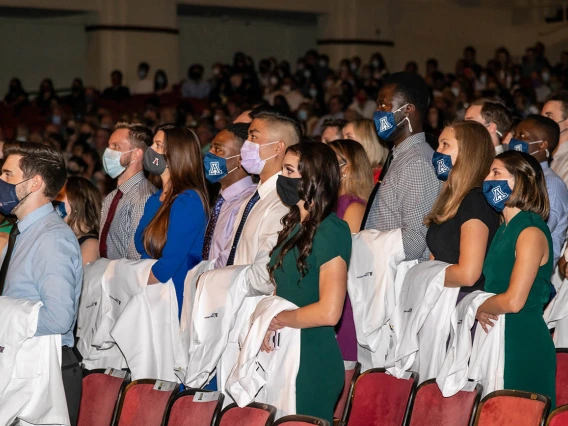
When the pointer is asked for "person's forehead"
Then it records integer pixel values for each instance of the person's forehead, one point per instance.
(387, 92)
(527, 127)
(224, 138)
(474, 112)
(12, 163)
(119, 136)
(552, 106)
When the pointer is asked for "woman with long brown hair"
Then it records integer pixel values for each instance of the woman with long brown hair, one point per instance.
(309, 268)
(79, 204)
(173, 225)
(461, 224)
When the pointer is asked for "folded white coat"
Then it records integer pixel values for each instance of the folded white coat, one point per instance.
(218, 299)
(142, 319)
(487, 361)
(453, 375)
(421, 322)
(267, 377)
(89, 316)
(375, 256)
(556, 316)
(31, 386)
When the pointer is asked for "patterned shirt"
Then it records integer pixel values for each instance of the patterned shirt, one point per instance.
(120, 241)
(558, 217)
(406, 195)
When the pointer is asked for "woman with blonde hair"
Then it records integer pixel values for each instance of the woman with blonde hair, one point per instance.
(355, 186)
(461, 224)
(364, 132)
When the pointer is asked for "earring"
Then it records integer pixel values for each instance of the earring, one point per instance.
(547, 153)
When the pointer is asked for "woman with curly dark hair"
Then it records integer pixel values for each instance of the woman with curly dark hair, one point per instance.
(309, 268)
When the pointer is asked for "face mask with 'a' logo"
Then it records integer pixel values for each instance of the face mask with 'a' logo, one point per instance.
(154, 162)
(385, 122)
(497, 192)
(216, 167)
(442, 164)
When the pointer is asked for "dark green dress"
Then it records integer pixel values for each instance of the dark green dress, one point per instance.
(321, 374)
(530, 356)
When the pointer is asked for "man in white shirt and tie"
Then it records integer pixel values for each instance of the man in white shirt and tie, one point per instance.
(556, 108)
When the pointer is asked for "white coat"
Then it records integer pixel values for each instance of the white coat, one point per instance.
(31, 386)
(267, 377)
(218, 300)
(142, 320)
(421, 322)
(371, 287)
(556, 316)
(453, 375)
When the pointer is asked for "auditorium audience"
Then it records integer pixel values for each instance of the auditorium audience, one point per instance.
(308, 266)
(172, 227)
(123, 207)
(538, 136)
(364, 131)
(332, 129)
(195, 86)
(116, 92)
(79, 205)
(518, 269)
(144, 84)
(494, 116)
(461, 225)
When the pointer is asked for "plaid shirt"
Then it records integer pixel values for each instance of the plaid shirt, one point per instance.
(406, 195)
(120, 240)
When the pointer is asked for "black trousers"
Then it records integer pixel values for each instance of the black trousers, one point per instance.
(72, 374)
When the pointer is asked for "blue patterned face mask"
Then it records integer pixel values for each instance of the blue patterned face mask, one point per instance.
(442, 164)
(521, 146)
(216, 167)
(497, 192)
(60, 209)
(385, 122)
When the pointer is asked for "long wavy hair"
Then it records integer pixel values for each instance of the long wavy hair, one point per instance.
(85, 201)
(318, 188)
(359, 182)
(183, 157)
(475, 155)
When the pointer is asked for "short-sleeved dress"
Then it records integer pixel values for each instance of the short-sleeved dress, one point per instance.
(530, 357)
(444, 240)
(321, 374)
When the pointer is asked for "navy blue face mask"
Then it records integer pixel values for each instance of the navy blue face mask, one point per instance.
(8, 196)
(521, 146)
(60, 209)
(442, 164)
(385, 122)
(497, 192)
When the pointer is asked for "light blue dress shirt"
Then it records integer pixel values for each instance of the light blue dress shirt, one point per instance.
(558, 217)
(46, 266)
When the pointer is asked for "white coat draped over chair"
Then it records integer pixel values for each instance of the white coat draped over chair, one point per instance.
(371, 286)
(141, 320)
(454, 374)
(31, 385)
(267, 377)
(556, 316)
(421, 321)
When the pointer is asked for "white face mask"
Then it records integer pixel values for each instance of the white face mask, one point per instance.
(250, 157)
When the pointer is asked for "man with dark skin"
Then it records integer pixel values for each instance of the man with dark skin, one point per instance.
(540, 136)
(408, 182)
(236, 188)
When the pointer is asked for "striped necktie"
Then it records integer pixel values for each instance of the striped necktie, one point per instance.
(248, 208)
(211, 227)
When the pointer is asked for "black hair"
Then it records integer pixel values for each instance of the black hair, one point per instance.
(413, 89)
(240, 130)
(549, 129)
(144, 66)
(562, 97)
(269, 113)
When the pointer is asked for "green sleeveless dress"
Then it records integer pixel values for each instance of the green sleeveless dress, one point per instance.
(530, 356)
(321, 373)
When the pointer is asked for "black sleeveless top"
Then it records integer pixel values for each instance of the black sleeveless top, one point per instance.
(86, 237)
(444, 240)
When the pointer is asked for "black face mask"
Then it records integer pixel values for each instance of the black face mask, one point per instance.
(154, 162)
(287, 190)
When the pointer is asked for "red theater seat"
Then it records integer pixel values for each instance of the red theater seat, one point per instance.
(512, 408)
(300, 421)
(558, 417)
(352, 372)
(188, 409)
(254, 414)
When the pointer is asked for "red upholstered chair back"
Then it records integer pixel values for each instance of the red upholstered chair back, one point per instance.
(99, 397)
(561, 377)
(432, 409)
(352, 372)
(298, 420)
(254, 414)
(558, 417)
(380, 399)
(512, 408)
(142, 405)
(187, 409)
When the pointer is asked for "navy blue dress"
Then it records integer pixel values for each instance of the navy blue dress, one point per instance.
(184, 240)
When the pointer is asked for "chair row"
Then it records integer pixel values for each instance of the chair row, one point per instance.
(109, 398)
(376, 399)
